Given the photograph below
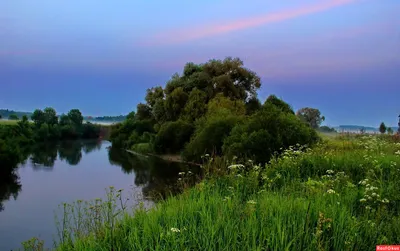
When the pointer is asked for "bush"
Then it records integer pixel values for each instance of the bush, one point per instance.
(172, 136)
(266, 132)
(142, 148)
(90, 131)
(209, 136)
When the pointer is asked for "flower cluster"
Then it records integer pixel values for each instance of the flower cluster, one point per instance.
(372, 198)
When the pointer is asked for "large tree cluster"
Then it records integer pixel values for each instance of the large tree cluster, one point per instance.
(212, 108)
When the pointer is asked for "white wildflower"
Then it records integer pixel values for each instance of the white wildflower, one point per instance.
(235, 166)
(363, 200)
(226, 198)
(330, 172)
(181, 173)
(373, 194)
(385, 201)
(175, 230)
(331, 191)
(251, 202)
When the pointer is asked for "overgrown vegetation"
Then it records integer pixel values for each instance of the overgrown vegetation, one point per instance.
(213, 108)
(339, 195)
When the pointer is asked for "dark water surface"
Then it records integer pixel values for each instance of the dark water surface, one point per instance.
(66, 172)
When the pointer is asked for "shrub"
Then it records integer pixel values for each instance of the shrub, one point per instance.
(266, 132)
(209, 136)
(172, 136)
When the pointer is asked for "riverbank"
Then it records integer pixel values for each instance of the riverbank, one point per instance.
(167, 157)
(341, 195)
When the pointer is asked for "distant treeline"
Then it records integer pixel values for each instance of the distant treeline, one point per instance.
(5, 114)
(119, 118)
(11, 114)
(46, 126)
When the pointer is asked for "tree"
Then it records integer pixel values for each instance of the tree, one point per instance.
(13, 117)
(196, 106)
(1, 116)
(382, 128)
(327, 129)
(221, 104)
(50, 116)
(143, 112)
(389, 130)
(131, 115)
(159, 112)
(64, 120)
(229, 77)
(311, 116)
(398, 130)
(172, 136)
(24, 129)
(76, 117)
(209, 137)
(154, 94)
(252, 105)
(268, 131)
(175, 102)
(285, 107)
(38, 117)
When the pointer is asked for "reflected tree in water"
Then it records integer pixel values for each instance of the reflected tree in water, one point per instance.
(43, 156)
(157, 177)
(9, 186)
(90, 146)
(71, 152)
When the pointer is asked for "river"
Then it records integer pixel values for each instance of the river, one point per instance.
(70, 171)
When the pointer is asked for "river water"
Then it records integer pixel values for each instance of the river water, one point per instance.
(70, 171)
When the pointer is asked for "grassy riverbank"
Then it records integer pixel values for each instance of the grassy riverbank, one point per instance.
(340, 195)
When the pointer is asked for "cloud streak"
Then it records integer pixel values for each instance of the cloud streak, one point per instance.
(190, 34)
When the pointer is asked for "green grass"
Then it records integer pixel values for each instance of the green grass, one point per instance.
(341, 195)
(8, 122)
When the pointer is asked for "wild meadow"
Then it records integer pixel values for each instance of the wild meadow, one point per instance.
(341, 194)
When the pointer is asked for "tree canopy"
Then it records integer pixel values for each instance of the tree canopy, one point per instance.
(382, 128)
(311, 116)
(211, 108)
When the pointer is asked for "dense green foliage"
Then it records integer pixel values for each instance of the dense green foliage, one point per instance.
(269, 130)
(13, 117)
(326, 129)
(339, 195)
(14, 139)
(382, 128)
(198, 110)
(311, 116)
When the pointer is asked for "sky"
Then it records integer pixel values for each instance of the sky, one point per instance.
(340, 56)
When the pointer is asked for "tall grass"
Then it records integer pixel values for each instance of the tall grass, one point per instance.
(341, 195)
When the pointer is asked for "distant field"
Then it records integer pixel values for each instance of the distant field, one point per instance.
(8, 122)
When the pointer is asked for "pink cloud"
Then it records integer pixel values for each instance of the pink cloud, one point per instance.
(213, 30)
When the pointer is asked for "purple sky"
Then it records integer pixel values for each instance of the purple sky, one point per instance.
(341, 56)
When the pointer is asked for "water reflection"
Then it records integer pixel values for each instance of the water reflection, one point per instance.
(42, 157)
(156, 177)
(9, 186)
